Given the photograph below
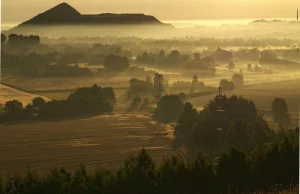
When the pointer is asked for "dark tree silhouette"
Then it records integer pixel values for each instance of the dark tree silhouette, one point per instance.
(168, 109)
(13, 110)
(197, 56)
(159, 84)
(238, 79)
(38, 102)
(280, 111)
(3, 38)
(231, 66)
(227, 85)
(116, 63)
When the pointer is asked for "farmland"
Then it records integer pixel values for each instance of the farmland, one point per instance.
(8, 93)
(100, 141)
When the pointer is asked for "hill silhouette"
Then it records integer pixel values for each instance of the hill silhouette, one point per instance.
(64, 14)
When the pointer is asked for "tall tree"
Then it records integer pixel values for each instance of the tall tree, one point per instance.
(280, 111)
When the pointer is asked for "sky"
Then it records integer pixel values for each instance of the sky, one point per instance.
(22, 10)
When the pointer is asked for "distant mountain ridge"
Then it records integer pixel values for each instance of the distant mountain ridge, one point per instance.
(64, 14)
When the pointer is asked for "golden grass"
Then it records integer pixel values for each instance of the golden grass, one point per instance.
(100, 141)
(8, 94)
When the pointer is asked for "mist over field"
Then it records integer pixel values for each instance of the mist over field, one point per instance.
(210, 104)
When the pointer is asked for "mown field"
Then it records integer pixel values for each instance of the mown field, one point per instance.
(100, 141)
(8, 94)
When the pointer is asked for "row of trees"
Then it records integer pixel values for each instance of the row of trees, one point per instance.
(83, 101)
(20, 39)
(178, 60)
(268, 167)
(43, 65)
(151, 87)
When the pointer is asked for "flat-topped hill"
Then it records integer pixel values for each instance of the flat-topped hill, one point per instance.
(64, 14)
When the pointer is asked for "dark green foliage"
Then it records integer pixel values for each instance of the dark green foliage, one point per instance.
(38, 65)
(187, 119)
(240, 123)
(227, 85)
(236, 171)
(141, 87)
(13, 110)
(3, 38)
(38, 102)
(168, 109)
(20, 39)
(280, 111)
(222, 55)
(116, 63)
(84, 101)
(182, 96)
(159, 84)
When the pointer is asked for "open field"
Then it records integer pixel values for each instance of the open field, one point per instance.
(100, 141)
(8, 94)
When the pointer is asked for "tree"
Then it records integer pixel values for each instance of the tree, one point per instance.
(14, 109)
(159, 84)
(29, 111)
(168, 109)
(174, 56)
(161, 54)
(186, 119)
(227, 85)
(195, 81)
(38, 102)
(231, 66)
(238, 79)
(139, 87)
(3, 38)
(249, 67)
(197, 56)
(116, 63)
(280, 111)
(234, 172)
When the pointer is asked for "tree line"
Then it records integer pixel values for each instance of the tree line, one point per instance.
(20, 39)
(84, 101)
(272, 167)
(220, 123)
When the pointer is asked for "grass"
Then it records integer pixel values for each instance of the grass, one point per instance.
(8, 94)
(100, 141)
(291, 190)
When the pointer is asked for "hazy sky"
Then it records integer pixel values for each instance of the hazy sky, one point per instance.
(21, 10)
